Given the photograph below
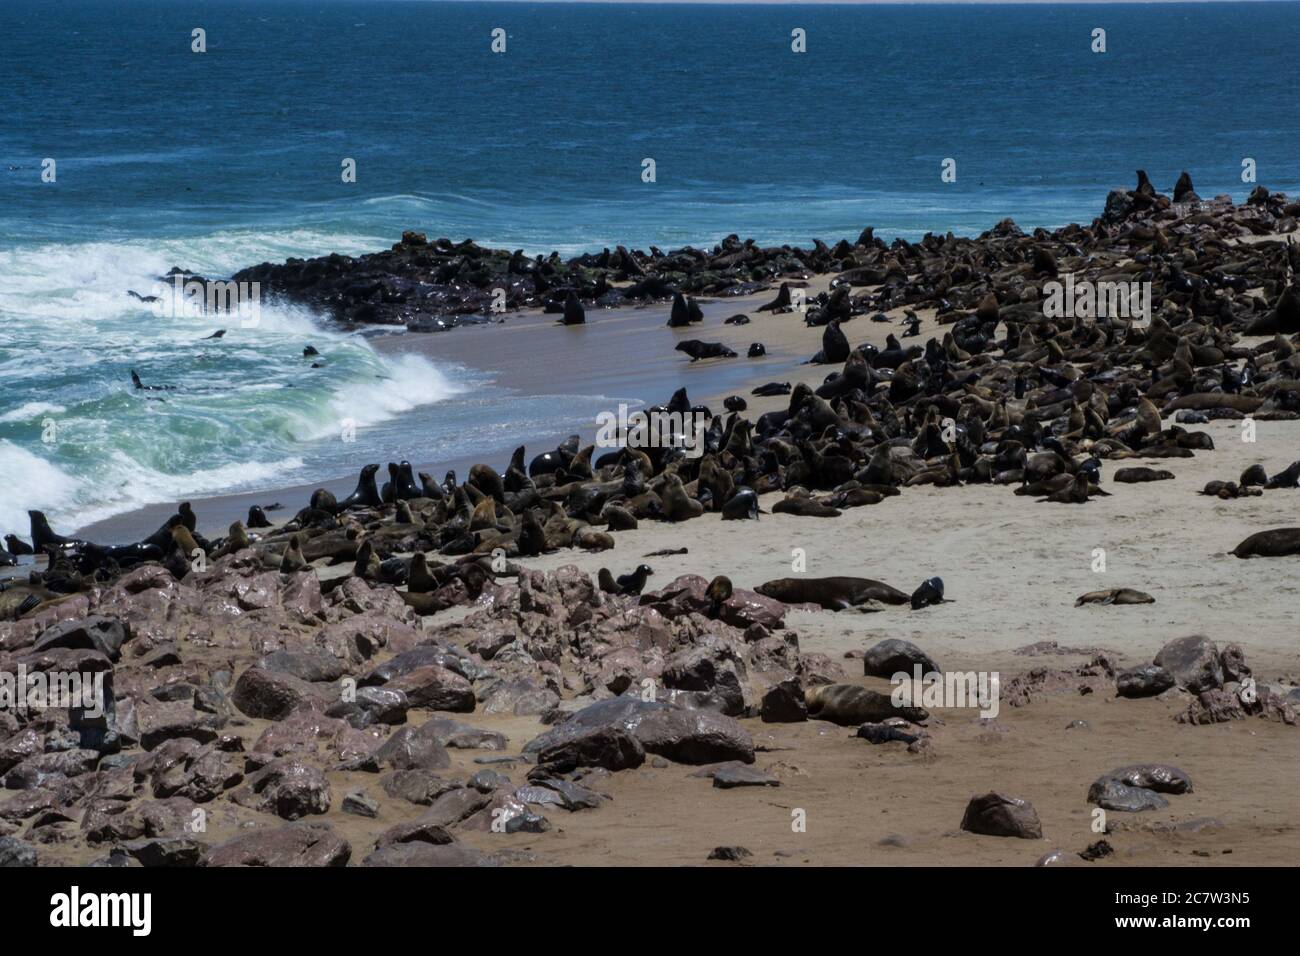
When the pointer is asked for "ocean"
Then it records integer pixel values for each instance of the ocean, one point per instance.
(218, 160)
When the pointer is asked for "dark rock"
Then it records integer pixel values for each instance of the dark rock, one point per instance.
(1148, 680)
(740, 775)
(15, 853)
(358, 804)
(729, 853)
(103, 634)
(1194, 661)
(1111, 794)
(300, 844)
(893, 655)
(784, 703)
(995, 814)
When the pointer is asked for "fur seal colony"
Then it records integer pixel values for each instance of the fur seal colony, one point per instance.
(464, 653)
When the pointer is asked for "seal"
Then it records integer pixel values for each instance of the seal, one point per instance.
(606, 581)
(780, 303)
(849, 704)
(1114, 596)
(574, 313)
(43, 535)
(684, 311)
(930, 592)
(293, 559)
(366, 494)
(1275, 543)
(634, 583)
(701, 350)
(718, 592)
(1136, 475)
(677, 504)
(743, 504)
(257, 517)
(17, 545)
(756, 350)
(7, 559)
(832, 594)
(732, 403)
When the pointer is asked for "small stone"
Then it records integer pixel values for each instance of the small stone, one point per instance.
(731, 853)
(357, 803)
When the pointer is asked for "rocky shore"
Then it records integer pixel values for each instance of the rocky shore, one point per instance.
(567, 658)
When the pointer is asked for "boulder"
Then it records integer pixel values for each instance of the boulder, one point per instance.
(996, 814)
(1194, 661)
(296, 845)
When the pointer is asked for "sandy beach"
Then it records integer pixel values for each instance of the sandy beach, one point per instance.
(225, 668)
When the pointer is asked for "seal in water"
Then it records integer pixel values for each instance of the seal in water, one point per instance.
(17, 545)
(699, 350)
(832, 594)
(366, 494)
(135, 380)
(1275, 543)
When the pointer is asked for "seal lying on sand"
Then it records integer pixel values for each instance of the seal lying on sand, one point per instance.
(1275, 543)
(1115, 596)
(833, 594)
(849, 704)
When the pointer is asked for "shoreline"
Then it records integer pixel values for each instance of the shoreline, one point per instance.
(261, 647)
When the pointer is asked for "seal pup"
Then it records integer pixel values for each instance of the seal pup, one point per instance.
(930, 592)
(832, 594)
(257, 517)
(606, 581)
(7, 559)
(719, 593)
(293, 559)
(17, 545)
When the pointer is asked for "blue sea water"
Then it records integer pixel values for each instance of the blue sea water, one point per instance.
(219, 160)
